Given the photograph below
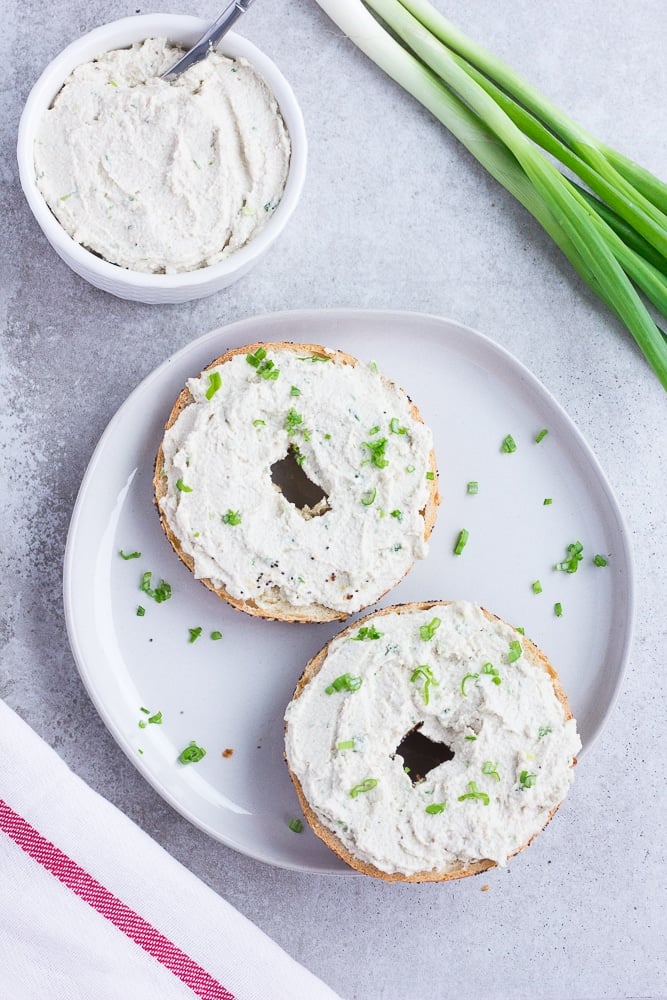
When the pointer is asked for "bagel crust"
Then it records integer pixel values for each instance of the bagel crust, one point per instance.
(465, 679)
(357, 438)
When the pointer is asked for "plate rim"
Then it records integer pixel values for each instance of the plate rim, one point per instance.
(234, 331)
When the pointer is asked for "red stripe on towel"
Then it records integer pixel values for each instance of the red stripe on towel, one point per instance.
(118, 913)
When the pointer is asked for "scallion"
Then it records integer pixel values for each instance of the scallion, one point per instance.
(366, 785)
(461, 541)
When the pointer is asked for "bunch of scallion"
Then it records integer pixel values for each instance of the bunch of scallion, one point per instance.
(612, 228)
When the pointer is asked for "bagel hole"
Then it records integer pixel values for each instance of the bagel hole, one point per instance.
(421, 754)
(287, 475)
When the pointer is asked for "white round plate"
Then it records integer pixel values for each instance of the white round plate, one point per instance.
(232, 693)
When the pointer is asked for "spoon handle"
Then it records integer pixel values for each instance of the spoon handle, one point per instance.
(209, 40)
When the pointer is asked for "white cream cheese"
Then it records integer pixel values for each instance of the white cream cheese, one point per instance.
(158, 176)
(507, 730)
(335, 414)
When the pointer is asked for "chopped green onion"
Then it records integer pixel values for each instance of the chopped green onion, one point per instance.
(293, 421)
(345, 745)
(194, 633)
(314, 357)
(540, 436)
(160, 594)
(232, 517)
(346, 682)
(537, 587)
(515, 651)
(265, 369)
(547, 501)
(296, 825)
(575, 553)
(398, 514)
(428, 631)
(488, 767)
(367, 632)
(368, 497)
(376, 449)
(521, 629)
(374, 430)
(192, 753)
(214, 383)
(508, 445)
(543, 731)
(430, 476)
(395, 427)
(599, 560)
(488, 668)
(527, 779)
(142, 724)
(463, 682)
(461, 541)
(434, 808)
(141, 611)
(294, 391)
(471, 738)
(216, 635)
(409, 468)
(558, 609)
(365, 786)
(156, 719)
(472, 488)
(180, 485)
(427, 674)
(474, 793)
(129, 555)
(259, 423)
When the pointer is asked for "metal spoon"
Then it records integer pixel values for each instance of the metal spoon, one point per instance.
(209, 40)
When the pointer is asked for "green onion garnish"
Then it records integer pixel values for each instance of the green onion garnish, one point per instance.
(547, 501)
(346, 682)
(428, 631)
(314, 357)
(489, 669)
(216, 635)
(231, 517)
(395, 427)
(430, 476)
(515, 651)
(265, 369)
(156, 719)
(409, 468)
(540, 436)
(508, 445)
(374, 430)
(558, 609)
(191, 754)
(296, 825)
(368, 497)
(180, 485)
(345, 745)
(194, 633)
(463, 682)
(488, 767)
(294, 391)
(214, 383)
(471, 738)
(537, 587)
(160, 594)
(366, 785)
(461, 541)
(292, 421)
(259, 423)
(527, 779)
(474, 793)
(376, 449)
(575, 553)
(472, 487)
(141, 611)
(129, 555)
(367, 632)
(427, 674)
(599, 560)
(543, 731)
(435, 808)
(398, 514)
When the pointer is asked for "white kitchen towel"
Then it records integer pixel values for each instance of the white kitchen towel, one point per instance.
(92, 909)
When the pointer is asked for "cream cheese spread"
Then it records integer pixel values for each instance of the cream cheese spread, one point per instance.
(512, 745)
(160, 176)
(355, 436)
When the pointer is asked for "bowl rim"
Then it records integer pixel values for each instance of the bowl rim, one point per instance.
(121, 33)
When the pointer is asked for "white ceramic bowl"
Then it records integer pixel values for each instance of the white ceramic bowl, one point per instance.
(135, 285)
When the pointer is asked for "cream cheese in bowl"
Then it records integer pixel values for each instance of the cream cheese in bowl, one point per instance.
(162, 177)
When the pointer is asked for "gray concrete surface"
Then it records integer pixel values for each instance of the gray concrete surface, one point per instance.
(395, 214)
